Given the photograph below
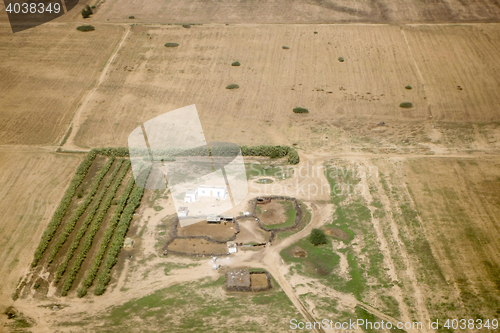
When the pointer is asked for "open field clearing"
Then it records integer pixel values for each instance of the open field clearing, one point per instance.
(33, 183)
(147, 79)
(447, 214)
(45, 73)
(346, 100)
(460, 70)
(304, 11)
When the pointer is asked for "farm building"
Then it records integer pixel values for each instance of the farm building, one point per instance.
(219, 192)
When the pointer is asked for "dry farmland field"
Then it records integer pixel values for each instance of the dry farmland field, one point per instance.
(403, 101)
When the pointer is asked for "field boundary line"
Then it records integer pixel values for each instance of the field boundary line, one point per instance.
(76, 121)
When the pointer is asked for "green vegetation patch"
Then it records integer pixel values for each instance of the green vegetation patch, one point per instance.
(171, 44)
(232, 86)
(200, 306)
(236, 64)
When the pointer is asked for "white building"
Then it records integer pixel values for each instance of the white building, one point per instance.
(218, 192)
(191, 196)
(213, 191)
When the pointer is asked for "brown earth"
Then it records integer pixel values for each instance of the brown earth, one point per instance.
(33, 182)
(197, 246)
(219, 232)
(271, 213)
(45, 72)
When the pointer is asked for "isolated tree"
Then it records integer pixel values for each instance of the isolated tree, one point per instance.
(318, 237)
(86, 12)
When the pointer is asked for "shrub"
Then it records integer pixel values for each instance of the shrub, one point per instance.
(85, 28)
(86, 12)
(236, 63)
(341, 59)
(232, 86)
(408, 87)
(285, 47)
(300, 110)
(93, 7)
(406, 105)
(187, 26)
(171, 44)
(317, 237)
(61, 210)
(131, 17)
(36, 285)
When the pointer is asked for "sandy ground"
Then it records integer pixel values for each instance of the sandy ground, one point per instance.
(56, 64)
(33, 182)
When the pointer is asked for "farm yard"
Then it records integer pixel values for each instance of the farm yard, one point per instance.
(388, 114)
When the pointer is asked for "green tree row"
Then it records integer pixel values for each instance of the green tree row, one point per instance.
(119, 236)
(222, 150)
(93, 229)
(83, 228)
(103, 246)
(70, 225)
(61, 210)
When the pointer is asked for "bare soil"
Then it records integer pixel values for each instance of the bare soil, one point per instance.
(197, 246)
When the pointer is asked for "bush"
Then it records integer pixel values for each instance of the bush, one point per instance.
(406, 105)
(408, 87)
(300, 110)
(232, 86)
(36, 286)
(131, 17)
(86, 12)
(94, 228)
(59, 214)
(318, 237)
(187, 26)
(171, 44)
(285, 47)
(92, 273)
(85, 28)
(236, 63)
(341, 59)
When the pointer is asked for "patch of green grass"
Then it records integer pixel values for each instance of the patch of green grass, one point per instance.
(171, 265)
(171, 44)
(158, 208)
(306, 219)
(406, 105)
(232, 86)
(320, 260)
(377, 204)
